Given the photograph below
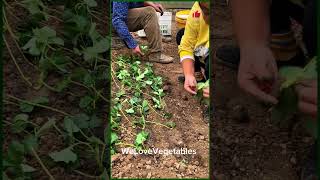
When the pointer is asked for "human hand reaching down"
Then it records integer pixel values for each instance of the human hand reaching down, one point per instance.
(137, 51)
(190, 84)
(258, 72)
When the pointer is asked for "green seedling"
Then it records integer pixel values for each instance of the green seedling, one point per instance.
(77, 69)
(287, 107)
(42, 40)
(144, 49)
(141, 138)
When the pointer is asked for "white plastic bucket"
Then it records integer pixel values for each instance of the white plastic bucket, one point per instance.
(165, 23)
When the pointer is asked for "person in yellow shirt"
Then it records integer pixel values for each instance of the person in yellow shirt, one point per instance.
(194, 47)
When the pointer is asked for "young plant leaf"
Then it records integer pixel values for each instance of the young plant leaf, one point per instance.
(26, 107)
(81, 120)
(20, 122)
(65, 155)
(50, 123)
(30, 143)
(27, 168)
(114, 137)
(286, 107)
(141, 138)
(15, 153)
(171, 124)
(130, 111)
(291, 76)
(201, 85)
(85, 101)
(70, 126)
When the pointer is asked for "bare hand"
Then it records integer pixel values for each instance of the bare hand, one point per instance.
(307, 97)
(190, 84)
(258, 65)
(137, 51)
(158, 7)
(206, 92)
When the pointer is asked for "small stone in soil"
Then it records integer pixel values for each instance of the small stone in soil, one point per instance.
(148, 162)
(182, 168)
(293, 160)
(144, 174)
(149, 175)
(201, 138)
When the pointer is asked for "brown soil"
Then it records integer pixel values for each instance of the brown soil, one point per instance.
(250, 147)
(191, 131)
(14, 85)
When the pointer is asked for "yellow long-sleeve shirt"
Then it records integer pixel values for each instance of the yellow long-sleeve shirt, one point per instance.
(195, 41)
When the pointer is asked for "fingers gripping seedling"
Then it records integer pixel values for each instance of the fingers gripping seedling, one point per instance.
(200, 91)
(287, 107)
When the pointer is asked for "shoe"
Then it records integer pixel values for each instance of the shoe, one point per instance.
(160, 58)
(166, 39)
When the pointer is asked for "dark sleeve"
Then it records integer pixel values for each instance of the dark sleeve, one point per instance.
(119, 18)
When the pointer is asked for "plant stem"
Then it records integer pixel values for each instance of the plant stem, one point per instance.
(155, 111)
(93, 88)
(15, 41)
(9, 102)
(49, 87)
(125, 116)
(86, 175)
(102, 154)
(15, 62)
(42, 165)
(39, 105)
(113, 78)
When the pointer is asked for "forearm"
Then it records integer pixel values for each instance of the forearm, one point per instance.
(119, 18)
(188, 67)
(126, 36)
(251, 22)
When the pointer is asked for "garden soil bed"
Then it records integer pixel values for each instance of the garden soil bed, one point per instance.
(15, 86)
(191, 130)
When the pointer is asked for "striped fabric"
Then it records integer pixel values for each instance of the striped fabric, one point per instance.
(284, 46)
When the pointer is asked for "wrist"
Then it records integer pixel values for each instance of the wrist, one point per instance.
(188, 74)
